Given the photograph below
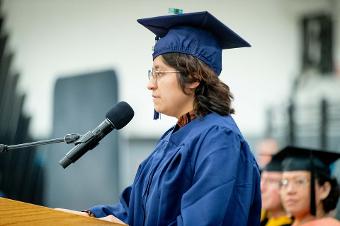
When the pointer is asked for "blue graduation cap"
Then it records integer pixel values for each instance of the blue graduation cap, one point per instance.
(199, 34)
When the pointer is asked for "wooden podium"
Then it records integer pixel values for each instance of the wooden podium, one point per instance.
(19, 213)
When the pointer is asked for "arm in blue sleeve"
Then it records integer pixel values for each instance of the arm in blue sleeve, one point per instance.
(119, 210)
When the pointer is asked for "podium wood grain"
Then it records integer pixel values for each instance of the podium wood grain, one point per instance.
(13, 213)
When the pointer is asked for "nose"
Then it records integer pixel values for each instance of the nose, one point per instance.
(290, 189)
(152, 84)
(262, 186)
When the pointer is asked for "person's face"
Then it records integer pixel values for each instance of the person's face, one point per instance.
(295, 192)
(167, 95)
(270, 190)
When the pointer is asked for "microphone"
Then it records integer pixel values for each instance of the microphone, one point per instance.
(118, 117)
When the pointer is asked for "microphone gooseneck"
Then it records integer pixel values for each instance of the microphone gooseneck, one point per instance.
(68, 139)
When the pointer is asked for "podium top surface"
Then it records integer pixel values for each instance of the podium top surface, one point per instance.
(19, 213)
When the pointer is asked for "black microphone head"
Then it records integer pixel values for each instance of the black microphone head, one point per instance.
(120, 115)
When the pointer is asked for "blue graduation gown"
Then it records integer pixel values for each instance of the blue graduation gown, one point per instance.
(201, 174)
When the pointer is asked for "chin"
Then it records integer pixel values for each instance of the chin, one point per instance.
(157, 107)
(158, 110)
(296, 212)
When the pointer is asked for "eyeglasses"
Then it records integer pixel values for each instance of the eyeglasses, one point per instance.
(296, 182)
(270, 181)
(155, 75)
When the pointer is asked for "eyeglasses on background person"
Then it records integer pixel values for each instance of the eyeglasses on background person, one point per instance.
(300, 182)
(271, 181)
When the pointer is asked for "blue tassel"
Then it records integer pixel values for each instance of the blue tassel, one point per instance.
(156, 115)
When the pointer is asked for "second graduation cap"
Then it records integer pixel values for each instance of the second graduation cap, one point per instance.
(299, 158)
(274, 165)
(198, 34)
(306, 159)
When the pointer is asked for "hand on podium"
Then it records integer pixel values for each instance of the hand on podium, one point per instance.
(109, 218)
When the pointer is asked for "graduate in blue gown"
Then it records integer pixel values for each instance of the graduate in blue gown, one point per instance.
(202, 171)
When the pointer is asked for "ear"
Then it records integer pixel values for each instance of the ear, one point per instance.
(325, 189)
(190, 88)
(193, 85)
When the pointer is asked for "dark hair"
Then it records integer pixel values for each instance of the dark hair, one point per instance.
(212, 95)
(329, 203)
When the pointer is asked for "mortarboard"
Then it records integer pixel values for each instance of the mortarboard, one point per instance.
(306, 159)
(198, 34)
(274, 165)
(299, 158)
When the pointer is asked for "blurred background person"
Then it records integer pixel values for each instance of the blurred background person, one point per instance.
(265, 149)
(308, 191)
(273, 213)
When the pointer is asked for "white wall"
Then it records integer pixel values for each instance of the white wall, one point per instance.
(52, 38)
